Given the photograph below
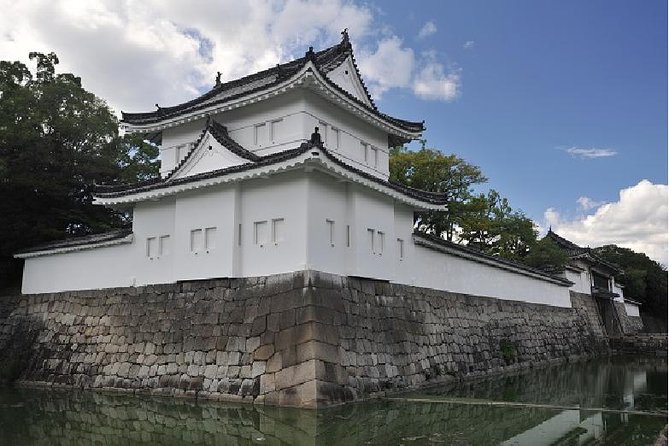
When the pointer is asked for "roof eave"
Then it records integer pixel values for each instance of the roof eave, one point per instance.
(302, 79)
(315, 156)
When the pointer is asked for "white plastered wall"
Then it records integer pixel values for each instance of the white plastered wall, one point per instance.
(106, 267)
(432, 269)
(581, 281)
(204, 224)
(273, 215)
(631, 309)
(283, 123)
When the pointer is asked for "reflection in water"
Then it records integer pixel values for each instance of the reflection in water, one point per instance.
(71, 418)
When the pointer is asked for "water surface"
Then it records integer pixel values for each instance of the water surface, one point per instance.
(630, 392)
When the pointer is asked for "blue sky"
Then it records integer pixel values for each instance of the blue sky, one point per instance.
(542, 77)
(563, 104)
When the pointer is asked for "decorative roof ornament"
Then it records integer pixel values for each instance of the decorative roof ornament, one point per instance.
(218, 78)
(344, 36)
(310, 55)
(316, 137)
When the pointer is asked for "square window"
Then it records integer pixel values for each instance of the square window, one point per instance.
(335, 137)
(260, 232)
(210, 238)
(151, 248)
(164, 245)
(196, 241)
(275, 129)
(370, 237)
(260, 134)
(331, 231)
(277, 230)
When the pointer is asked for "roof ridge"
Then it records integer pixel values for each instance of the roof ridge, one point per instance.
(324, 61)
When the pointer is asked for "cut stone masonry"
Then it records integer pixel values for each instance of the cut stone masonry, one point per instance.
(305, 339)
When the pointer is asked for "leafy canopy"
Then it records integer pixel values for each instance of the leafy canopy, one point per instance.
(56, 141)
(485, 221)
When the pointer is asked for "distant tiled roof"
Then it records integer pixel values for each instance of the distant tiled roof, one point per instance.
(113, 191)
(94, 239)
(325, 61)
(577, 252)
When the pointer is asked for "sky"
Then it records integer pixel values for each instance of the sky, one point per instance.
(563, 104)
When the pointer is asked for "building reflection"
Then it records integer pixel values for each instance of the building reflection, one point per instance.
(59, 417)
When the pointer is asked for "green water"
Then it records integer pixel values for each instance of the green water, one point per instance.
(47, 417)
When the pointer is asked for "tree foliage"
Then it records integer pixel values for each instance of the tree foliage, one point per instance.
(547, 255)
(492, 226)
(485, 221)
(431, 170)
(56, 141)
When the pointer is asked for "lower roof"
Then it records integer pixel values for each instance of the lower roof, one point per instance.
(308, 152)
(110, 238)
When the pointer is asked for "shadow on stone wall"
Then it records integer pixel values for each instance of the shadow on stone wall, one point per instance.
(303, 339)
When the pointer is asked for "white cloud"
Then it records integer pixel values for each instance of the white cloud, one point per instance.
(427, 30)
(588, 203)
(469, 44)
(137, 53)
(432, 83)
(638, 220)
(581, 152)
(390, 66)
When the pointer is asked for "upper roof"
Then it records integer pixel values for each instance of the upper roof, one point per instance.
(577, 252)
(260, 166)
(222, 94)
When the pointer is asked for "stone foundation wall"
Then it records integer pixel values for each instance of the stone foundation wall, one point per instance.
(303, 339)
(630, 324)
(641, 344)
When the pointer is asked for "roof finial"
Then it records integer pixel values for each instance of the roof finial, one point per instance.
(550, 228)
(218, 78)
(316, 137)
(344, 36)
(310, 55)
(158, 106)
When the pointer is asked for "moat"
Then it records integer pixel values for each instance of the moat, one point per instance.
(617, 401)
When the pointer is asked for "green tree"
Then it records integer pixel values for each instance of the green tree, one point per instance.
(431, 170)
(485, 221)
(491, 225)
(547, 255)
(56, 141)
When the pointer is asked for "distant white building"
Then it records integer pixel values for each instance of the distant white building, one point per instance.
(283, 170)
(590, 274)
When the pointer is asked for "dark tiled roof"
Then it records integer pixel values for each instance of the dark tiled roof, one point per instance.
(325, 60)
(575, 252)
(79, 241)
(566, 245)
(114, 191)
(477, 253)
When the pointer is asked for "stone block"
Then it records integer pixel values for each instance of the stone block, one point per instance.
(252, 344)
(264, 352)
(275, 363)
(318, 350)
(211, 371)
(258, 368)
(267, 383)
(296, 374)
